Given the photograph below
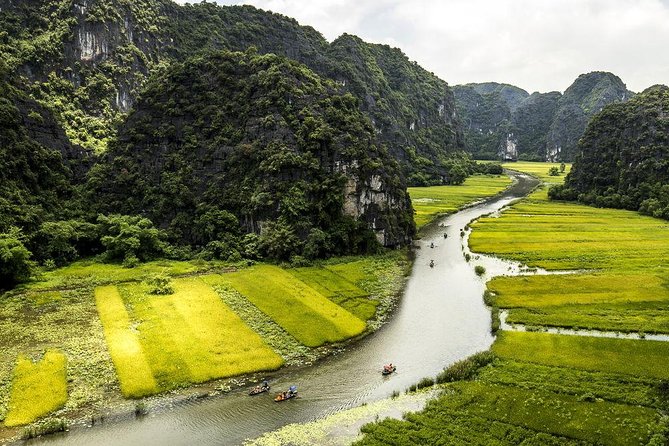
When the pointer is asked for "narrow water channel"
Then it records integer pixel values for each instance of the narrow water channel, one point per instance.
(440, 319)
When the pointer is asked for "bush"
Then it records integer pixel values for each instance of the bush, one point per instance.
(468, 257)
(467, 368)
(15, 263)
(160, 284)
(131, 238)
(479, 270)
(495, 321)
(554, 171)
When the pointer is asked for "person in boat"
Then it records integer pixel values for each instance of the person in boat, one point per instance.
(445, 235)
(265, 384)
(431, 263)
(388, 367)
(292, 390)
(431, 245)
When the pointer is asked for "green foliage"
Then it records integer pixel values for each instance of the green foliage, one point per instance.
(291, 144)
(15, 264)
(624, 157)
(554, 171)
(479, 270)
(465, 369)
(160, 284)
(130, 238)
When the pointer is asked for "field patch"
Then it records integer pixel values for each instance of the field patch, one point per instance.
(133, 370)
(299, 309)
(430, 202)
(625, 356)
(187, 337)
(339, 290)
(540, 170)
(38, 388)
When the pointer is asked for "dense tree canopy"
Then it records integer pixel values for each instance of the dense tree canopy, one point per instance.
(624, 157)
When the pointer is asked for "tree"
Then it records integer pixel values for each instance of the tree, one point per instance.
(562, 167)
(130, 238)
(15, 264)
(553, 171)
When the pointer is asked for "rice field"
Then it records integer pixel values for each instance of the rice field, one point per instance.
(539, 170)
(302, 311)
(339, 290)
(624, 287)
(163, 342)
(38, 388)
(431, 202)
(623, 356)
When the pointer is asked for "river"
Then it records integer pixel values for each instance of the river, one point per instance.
(440, 319)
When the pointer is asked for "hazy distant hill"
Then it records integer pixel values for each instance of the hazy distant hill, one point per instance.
(502, 121)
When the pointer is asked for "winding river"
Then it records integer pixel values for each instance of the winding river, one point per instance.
(440, 319)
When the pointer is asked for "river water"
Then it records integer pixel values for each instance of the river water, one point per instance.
(441, 319)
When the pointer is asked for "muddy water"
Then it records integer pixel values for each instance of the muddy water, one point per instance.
(441, 319)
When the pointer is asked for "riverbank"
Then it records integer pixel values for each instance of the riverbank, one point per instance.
(61, 313)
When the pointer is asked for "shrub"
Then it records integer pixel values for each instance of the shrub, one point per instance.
(495, 321)
(554, 171)
(15, 263)
(479, 270)
(160, 284)
(130, 237)
(468, 257)
(467, 368)
(425, 382)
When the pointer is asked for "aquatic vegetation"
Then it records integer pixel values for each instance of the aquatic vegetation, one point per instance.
(38, 388)
(303, 312)
(430, 202)
(623, 356)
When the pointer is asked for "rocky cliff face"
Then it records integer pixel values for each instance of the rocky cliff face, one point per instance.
(263, 138)
(500, 119)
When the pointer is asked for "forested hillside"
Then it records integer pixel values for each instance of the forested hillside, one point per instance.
(87, 60)
(503, 121)
(233, 143)
(623, 158)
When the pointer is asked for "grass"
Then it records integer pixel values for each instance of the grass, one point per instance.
(91, 272)
(299, 309)
(648, 359)
(38, 388)
(480, 413)
(187, 337)
(431, 202)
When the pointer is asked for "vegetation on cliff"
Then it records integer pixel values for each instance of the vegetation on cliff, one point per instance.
(623, 157)
(503, 121)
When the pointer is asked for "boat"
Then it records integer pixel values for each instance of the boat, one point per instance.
(257, 390)
(283, 396)
(387, 370)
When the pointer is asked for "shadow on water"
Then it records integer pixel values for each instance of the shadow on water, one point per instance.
(441, 319)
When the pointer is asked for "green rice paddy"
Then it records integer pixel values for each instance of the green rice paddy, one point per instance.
(302, 311)
(431, 202)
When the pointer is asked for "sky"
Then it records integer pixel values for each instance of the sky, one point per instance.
(538, 45)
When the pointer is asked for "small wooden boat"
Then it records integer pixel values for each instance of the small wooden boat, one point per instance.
(283, 396)
(257, 390)
(388, 370)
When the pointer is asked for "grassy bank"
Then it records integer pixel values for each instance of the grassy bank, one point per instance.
(117, 340)
(431, 202)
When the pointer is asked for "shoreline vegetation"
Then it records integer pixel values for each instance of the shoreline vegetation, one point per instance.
(544, 388)
(121, 347)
